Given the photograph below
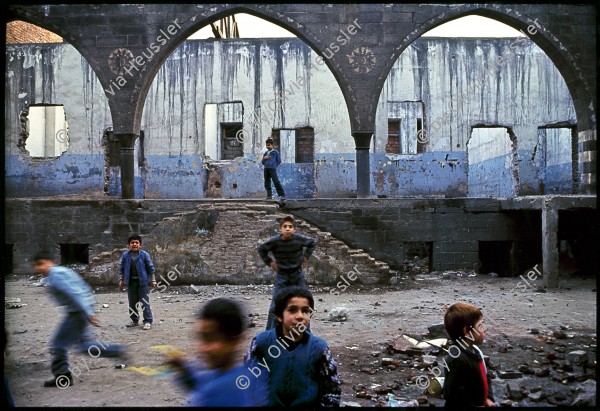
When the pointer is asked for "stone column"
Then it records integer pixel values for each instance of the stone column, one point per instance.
(363, 171)
(587, 161)
(550, 243)
(127, 142)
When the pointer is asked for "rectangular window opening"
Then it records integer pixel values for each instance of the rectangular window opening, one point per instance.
(231, 145)
(305, 145)
(47, 131)
(295, 145)
(394, 143)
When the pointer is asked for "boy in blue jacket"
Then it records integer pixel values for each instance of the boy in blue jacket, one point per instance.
(219, 380)
(298, 366)
(136, 271)
(271, 159)
(71, 291)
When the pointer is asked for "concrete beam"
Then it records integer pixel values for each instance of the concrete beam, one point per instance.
(550, 243)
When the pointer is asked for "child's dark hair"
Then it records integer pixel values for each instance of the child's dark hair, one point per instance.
(284, 295)
(228, 314)
(44, 255)
(287, 219)
(134, 237)
(270, 141)
(458, 316)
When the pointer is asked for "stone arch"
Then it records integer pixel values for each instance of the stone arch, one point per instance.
(260, 11)
(543, 38)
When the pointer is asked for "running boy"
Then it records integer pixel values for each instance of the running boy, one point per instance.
(466, 382)
(218, 381)
(71, 291)
(136, 271)
(271, 159)
(290, 254)
(301, 371)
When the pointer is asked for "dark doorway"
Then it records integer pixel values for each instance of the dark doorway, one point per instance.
(74, 254)
(494, 257)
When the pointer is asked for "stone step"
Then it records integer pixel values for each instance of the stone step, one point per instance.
(355, 251)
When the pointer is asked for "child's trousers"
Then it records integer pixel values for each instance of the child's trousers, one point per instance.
(283, 280)
(271, 174)
(139, 298)
(73, 330)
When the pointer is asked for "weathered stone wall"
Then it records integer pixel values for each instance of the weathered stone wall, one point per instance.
(215, 241)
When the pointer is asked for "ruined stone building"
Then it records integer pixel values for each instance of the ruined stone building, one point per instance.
(471, 153)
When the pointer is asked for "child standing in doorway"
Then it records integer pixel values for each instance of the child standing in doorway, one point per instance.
(289, 254)
(136, 271)
(271, 159)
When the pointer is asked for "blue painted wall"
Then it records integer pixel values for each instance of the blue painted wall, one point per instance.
(559, 179)
(64, 175)
(173, 177)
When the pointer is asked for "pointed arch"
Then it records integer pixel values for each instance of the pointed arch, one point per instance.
(220, 11)
(559, 55)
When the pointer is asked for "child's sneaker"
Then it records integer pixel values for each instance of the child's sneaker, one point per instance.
(131, 324)
(147, 326)
(62, 381)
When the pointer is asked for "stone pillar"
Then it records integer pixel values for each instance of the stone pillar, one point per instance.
(587, 161)
(127, 142)
(363, 170)
(550, 243)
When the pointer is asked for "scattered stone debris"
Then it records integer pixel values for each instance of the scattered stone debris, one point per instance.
(515, 391)
(559, 334)
(585, 394)
(393, 402)
(509, 374)
(437, 330)
(338, 314)
(578, 357)
(13, 302)
(13, 305)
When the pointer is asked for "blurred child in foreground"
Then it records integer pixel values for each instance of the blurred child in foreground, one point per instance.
(72, 292)
(218, 379)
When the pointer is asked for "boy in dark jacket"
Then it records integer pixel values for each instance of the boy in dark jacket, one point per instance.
(466, 383)
(136, 271)
(289, 254)
(271, 159)
(297, 366)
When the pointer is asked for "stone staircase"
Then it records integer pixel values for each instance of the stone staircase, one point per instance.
(216, 243)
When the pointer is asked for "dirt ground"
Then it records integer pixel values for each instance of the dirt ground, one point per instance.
(377, 316)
